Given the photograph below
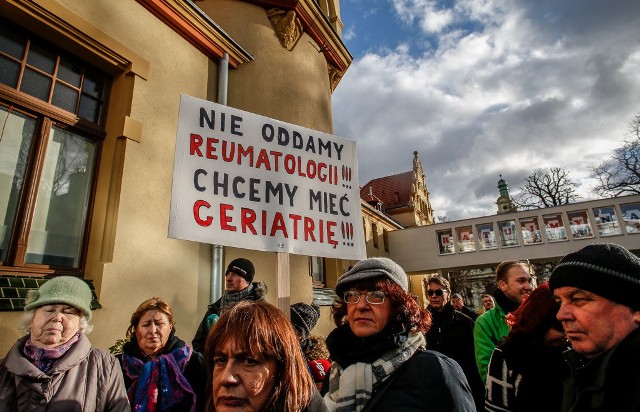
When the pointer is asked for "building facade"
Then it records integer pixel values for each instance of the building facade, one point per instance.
(404, 196)
(89, 98)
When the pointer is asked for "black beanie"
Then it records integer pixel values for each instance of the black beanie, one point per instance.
(606, 269)
(243, 268)
(304, 318)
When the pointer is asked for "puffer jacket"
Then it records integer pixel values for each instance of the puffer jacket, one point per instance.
(83, 379)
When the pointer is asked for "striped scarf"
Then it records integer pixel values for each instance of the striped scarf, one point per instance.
(160, 375)
(350, 389)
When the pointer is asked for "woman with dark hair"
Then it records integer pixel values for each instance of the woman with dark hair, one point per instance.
(526, 371)
(160, 371)
(255, 364)
(378, 349)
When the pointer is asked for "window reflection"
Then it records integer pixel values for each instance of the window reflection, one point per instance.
(606, 221)
(554, 227)
(58, 224)
(631, 217)
(579, 223)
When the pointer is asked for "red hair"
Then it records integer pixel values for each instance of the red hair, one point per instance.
(535, 316)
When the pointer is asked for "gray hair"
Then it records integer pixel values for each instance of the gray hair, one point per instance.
(24, 325)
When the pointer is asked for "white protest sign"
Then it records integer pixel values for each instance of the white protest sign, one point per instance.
(248, 181)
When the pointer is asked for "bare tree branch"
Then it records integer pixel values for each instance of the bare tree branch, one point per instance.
(620, 175)
(546, 189)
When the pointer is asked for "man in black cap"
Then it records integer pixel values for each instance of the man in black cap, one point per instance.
(239, 286)
(598, 288)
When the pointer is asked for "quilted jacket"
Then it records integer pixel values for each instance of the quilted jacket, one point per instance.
(84, 379)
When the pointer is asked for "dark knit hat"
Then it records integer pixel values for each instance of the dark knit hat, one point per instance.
(66, 290)
(304, 317)
(371, 268)
(243, 268)
(606, 269)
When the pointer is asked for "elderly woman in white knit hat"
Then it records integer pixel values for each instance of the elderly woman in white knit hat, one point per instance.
(54, 367)
(378, 349)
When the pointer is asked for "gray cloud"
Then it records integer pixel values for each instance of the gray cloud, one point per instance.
(510, 87)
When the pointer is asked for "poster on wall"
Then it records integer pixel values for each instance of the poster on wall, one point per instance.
(248, 181)
(445, 243)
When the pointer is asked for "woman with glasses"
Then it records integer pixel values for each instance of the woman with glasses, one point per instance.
(378, 348)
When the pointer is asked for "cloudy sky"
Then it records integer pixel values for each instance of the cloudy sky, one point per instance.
(487, 87)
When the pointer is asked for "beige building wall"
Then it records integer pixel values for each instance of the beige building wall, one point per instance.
(292, 86)
(130, 256)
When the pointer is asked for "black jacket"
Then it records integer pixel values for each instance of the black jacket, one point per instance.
(426, 381)
(194, 372)
(258, 292)
(609, 382)
(451, 333)
(525, 376)
(469, 312)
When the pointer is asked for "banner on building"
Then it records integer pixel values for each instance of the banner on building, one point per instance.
(248, 181)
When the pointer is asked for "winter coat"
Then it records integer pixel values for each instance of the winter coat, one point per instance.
(609, 382)
(469, 312)
(258, 293)
(428, 381)
(489, 330)
(83, 379)
(525, 376)
(451, 334)
(315, 405)
(194, 372)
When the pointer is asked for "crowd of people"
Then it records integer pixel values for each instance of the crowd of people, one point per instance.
(570, 345)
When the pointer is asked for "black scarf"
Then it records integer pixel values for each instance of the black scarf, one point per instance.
(505, 302)
(347, 349)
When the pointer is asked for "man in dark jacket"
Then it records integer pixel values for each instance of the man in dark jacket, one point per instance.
(239, 286)
(458, 304)
(451, 333)
(598, 288)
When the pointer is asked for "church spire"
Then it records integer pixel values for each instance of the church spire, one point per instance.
(504, 202)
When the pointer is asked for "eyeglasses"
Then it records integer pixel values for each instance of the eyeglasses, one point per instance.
(437, 292)
(374, 297)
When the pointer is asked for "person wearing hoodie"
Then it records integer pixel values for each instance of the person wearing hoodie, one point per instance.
(514, 284)
(239, 285)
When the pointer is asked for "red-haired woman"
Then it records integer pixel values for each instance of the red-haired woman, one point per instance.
(378, 349)
(254, 363)
(526, 371)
